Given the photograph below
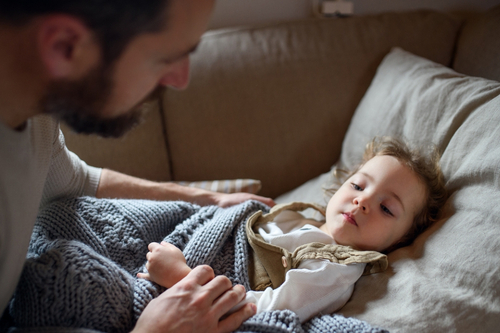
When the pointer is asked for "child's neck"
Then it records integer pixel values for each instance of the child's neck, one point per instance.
(324, 228)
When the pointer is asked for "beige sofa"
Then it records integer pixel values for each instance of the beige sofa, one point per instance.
(276, 103)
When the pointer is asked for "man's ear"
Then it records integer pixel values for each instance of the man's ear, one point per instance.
(67, 47)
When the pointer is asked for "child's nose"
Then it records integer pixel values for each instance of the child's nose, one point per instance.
(362, 203)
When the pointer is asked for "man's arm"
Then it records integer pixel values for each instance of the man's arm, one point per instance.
(70, 176)
(118, 185)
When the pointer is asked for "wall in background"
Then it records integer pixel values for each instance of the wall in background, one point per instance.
(229, 13)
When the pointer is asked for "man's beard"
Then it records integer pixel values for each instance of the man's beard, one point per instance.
(80, 103)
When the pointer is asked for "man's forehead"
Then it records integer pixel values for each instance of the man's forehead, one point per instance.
(187, 20)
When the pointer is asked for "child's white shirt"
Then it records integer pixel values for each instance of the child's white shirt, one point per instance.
(316, 286)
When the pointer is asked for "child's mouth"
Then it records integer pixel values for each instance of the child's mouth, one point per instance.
(349, 218)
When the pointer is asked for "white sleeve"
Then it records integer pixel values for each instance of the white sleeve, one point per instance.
(317, 286)
(68, 174)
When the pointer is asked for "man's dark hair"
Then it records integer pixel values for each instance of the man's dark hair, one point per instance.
(114, 22)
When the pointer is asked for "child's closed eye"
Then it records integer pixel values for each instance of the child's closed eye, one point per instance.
(356, 187)
(386, 210)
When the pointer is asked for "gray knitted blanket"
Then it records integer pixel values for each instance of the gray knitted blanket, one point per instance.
(80, 273)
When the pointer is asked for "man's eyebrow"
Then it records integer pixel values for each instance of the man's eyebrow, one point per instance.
(181, 55)
(392, 194)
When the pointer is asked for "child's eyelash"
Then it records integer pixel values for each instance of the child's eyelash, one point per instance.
(356, 187)
(386, 210)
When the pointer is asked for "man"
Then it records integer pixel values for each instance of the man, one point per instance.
(92, 64)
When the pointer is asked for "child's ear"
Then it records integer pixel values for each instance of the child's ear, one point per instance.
(66, 46)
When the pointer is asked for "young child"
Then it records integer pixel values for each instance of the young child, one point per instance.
(384, 204)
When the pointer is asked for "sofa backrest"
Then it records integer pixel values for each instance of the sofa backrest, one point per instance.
(478, 46)
(273, 103)
(270, 103)
(141, 153)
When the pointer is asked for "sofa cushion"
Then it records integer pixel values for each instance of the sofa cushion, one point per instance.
(226, 185)
(449, 278)
(478, 47)
(273, 103)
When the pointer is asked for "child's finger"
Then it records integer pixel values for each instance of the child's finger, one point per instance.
(152, 246)
(143, 276)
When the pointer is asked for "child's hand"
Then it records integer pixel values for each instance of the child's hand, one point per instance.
(166, 264)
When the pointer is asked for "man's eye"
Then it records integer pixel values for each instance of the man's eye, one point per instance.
(356, 187)
(386, 210)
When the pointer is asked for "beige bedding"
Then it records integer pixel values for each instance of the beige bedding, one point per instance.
(449, 279)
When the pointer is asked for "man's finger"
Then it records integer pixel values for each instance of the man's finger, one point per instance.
(201, 275)
(233, 321)
(229, 299)
(218, 287)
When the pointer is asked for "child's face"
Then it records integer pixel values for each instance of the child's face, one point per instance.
(376, 206)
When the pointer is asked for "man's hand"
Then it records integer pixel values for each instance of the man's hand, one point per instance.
(166, 264)
(196, 304)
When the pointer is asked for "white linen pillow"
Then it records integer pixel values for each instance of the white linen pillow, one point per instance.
(448, 280)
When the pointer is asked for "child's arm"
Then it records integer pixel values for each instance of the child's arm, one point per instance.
(317, 286)
(166, 264)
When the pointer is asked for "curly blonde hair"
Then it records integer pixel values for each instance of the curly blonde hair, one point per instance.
(427, 168)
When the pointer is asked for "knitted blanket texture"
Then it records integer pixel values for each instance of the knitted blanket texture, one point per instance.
(84, 254)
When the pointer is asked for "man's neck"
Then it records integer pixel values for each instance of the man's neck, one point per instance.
(21, 81)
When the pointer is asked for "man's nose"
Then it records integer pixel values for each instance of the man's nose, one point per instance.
(178, 76)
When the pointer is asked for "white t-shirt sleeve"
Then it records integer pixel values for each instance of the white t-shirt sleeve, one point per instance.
(68, 174)
(317, 286)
